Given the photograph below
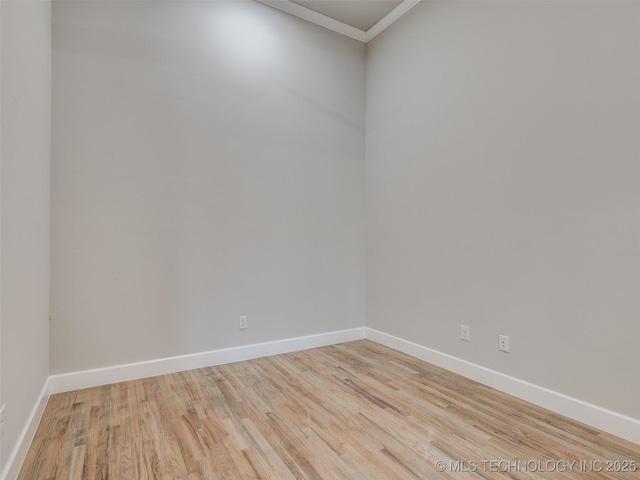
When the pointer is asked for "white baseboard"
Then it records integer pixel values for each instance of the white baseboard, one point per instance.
(598, 417)
(601, 418)
(19, 452)
(132, 371)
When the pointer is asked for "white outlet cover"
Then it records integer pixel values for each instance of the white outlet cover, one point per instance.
(2, 409)
(503, 343)
(465, 333)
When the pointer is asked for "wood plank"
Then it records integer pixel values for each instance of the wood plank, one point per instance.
(356, 411)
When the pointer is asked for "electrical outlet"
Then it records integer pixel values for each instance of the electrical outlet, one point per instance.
(243, 322)
(465, 333)
(2, 410)
(503, 343)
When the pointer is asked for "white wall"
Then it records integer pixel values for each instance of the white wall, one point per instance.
(208, 162)
(26, 133)
(503, 189)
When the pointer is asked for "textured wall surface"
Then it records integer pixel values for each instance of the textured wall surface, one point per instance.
(25, 167)
(503, 165)
(208, 162)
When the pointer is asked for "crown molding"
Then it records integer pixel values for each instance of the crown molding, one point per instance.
(389, 18)
(317, 18)
(309, 15)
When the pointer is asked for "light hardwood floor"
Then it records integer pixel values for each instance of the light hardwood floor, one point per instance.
(356, 410)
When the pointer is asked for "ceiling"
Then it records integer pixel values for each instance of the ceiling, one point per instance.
(358, 19)
(361, 14)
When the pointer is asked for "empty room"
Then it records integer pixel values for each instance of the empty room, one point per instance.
(319, 239)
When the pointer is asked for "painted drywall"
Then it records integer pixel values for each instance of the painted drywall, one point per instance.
(26, 136)
(1, 461)
(502, 189)
(208, 163)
